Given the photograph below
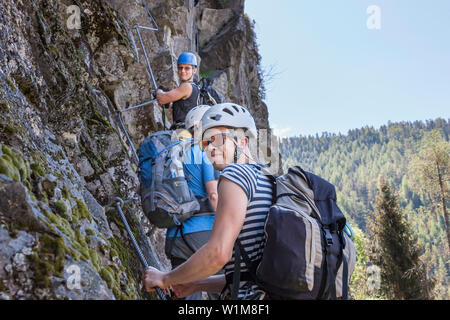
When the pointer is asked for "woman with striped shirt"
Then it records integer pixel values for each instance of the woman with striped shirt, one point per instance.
(244, 199)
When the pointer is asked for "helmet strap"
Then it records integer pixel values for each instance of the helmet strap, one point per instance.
(237, 150)
(188, 80)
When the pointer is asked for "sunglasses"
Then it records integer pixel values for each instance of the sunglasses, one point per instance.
(217, 140)
(185, 68)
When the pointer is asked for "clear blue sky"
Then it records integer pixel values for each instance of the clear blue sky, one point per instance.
(336, 74)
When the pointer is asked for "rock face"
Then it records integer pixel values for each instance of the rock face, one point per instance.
(65, 72)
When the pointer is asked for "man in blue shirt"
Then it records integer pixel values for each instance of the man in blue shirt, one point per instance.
(194, 232)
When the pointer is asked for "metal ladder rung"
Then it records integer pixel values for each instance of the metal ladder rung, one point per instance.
(149, 69)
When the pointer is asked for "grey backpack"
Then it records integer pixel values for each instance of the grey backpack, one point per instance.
(307, 254)
(165, 196)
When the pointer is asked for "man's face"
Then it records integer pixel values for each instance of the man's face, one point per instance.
(186, 71)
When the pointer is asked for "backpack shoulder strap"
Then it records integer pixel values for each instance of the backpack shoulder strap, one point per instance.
(198, 87)
(213, 101)
(272, 178)
(239, 251)
(168, 147)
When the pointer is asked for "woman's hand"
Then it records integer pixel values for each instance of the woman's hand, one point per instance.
(159, 94)
(154, 278)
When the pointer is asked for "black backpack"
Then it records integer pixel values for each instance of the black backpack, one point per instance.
(208, 95)
(307, 254)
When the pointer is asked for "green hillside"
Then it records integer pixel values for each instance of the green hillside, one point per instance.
(355, 162)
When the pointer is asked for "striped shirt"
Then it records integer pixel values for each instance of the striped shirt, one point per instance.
(258, 189)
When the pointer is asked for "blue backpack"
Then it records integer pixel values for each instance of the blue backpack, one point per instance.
(165, 196)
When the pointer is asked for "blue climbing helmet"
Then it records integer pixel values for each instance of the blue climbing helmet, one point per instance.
(187, 58)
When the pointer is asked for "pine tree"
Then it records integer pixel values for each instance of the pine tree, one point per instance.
(353, 161)
(360, 288)
(430, 169)
(394, 251)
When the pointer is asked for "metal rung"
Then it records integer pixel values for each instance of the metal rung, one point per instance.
(149, 69)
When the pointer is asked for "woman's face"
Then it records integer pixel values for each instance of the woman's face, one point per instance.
(222, 155)
(185, 72)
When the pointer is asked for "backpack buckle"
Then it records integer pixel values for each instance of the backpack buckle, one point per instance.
(175, 220)
(328, 237)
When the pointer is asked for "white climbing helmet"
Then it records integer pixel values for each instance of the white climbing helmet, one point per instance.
(229, 115)
(195, 115)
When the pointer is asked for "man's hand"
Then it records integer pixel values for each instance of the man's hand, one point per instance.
(153, 278)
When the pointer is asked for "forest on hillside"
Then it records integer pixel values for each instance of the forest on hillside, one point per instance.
(355, 162)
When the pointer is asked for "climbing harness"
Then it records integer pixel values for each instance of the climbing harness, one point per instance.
(152, 77)
(118, 205)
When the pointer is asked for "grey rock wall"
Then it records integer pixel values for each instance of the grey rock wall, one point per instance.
(63, 155)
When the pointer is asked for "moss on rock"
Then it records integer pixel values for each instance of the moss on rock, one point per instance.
(89, 232)
(61, 208)
(60, 223)
(37, 170)
(65, 193)
(48, 260)
(80, 211)
(8, 129)
(8, 169)
(95, 258)
(11, 84)
(2, 286)
(18, 161)
(13, 165)
(112, 280)
(95, 161)
(79, 243)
